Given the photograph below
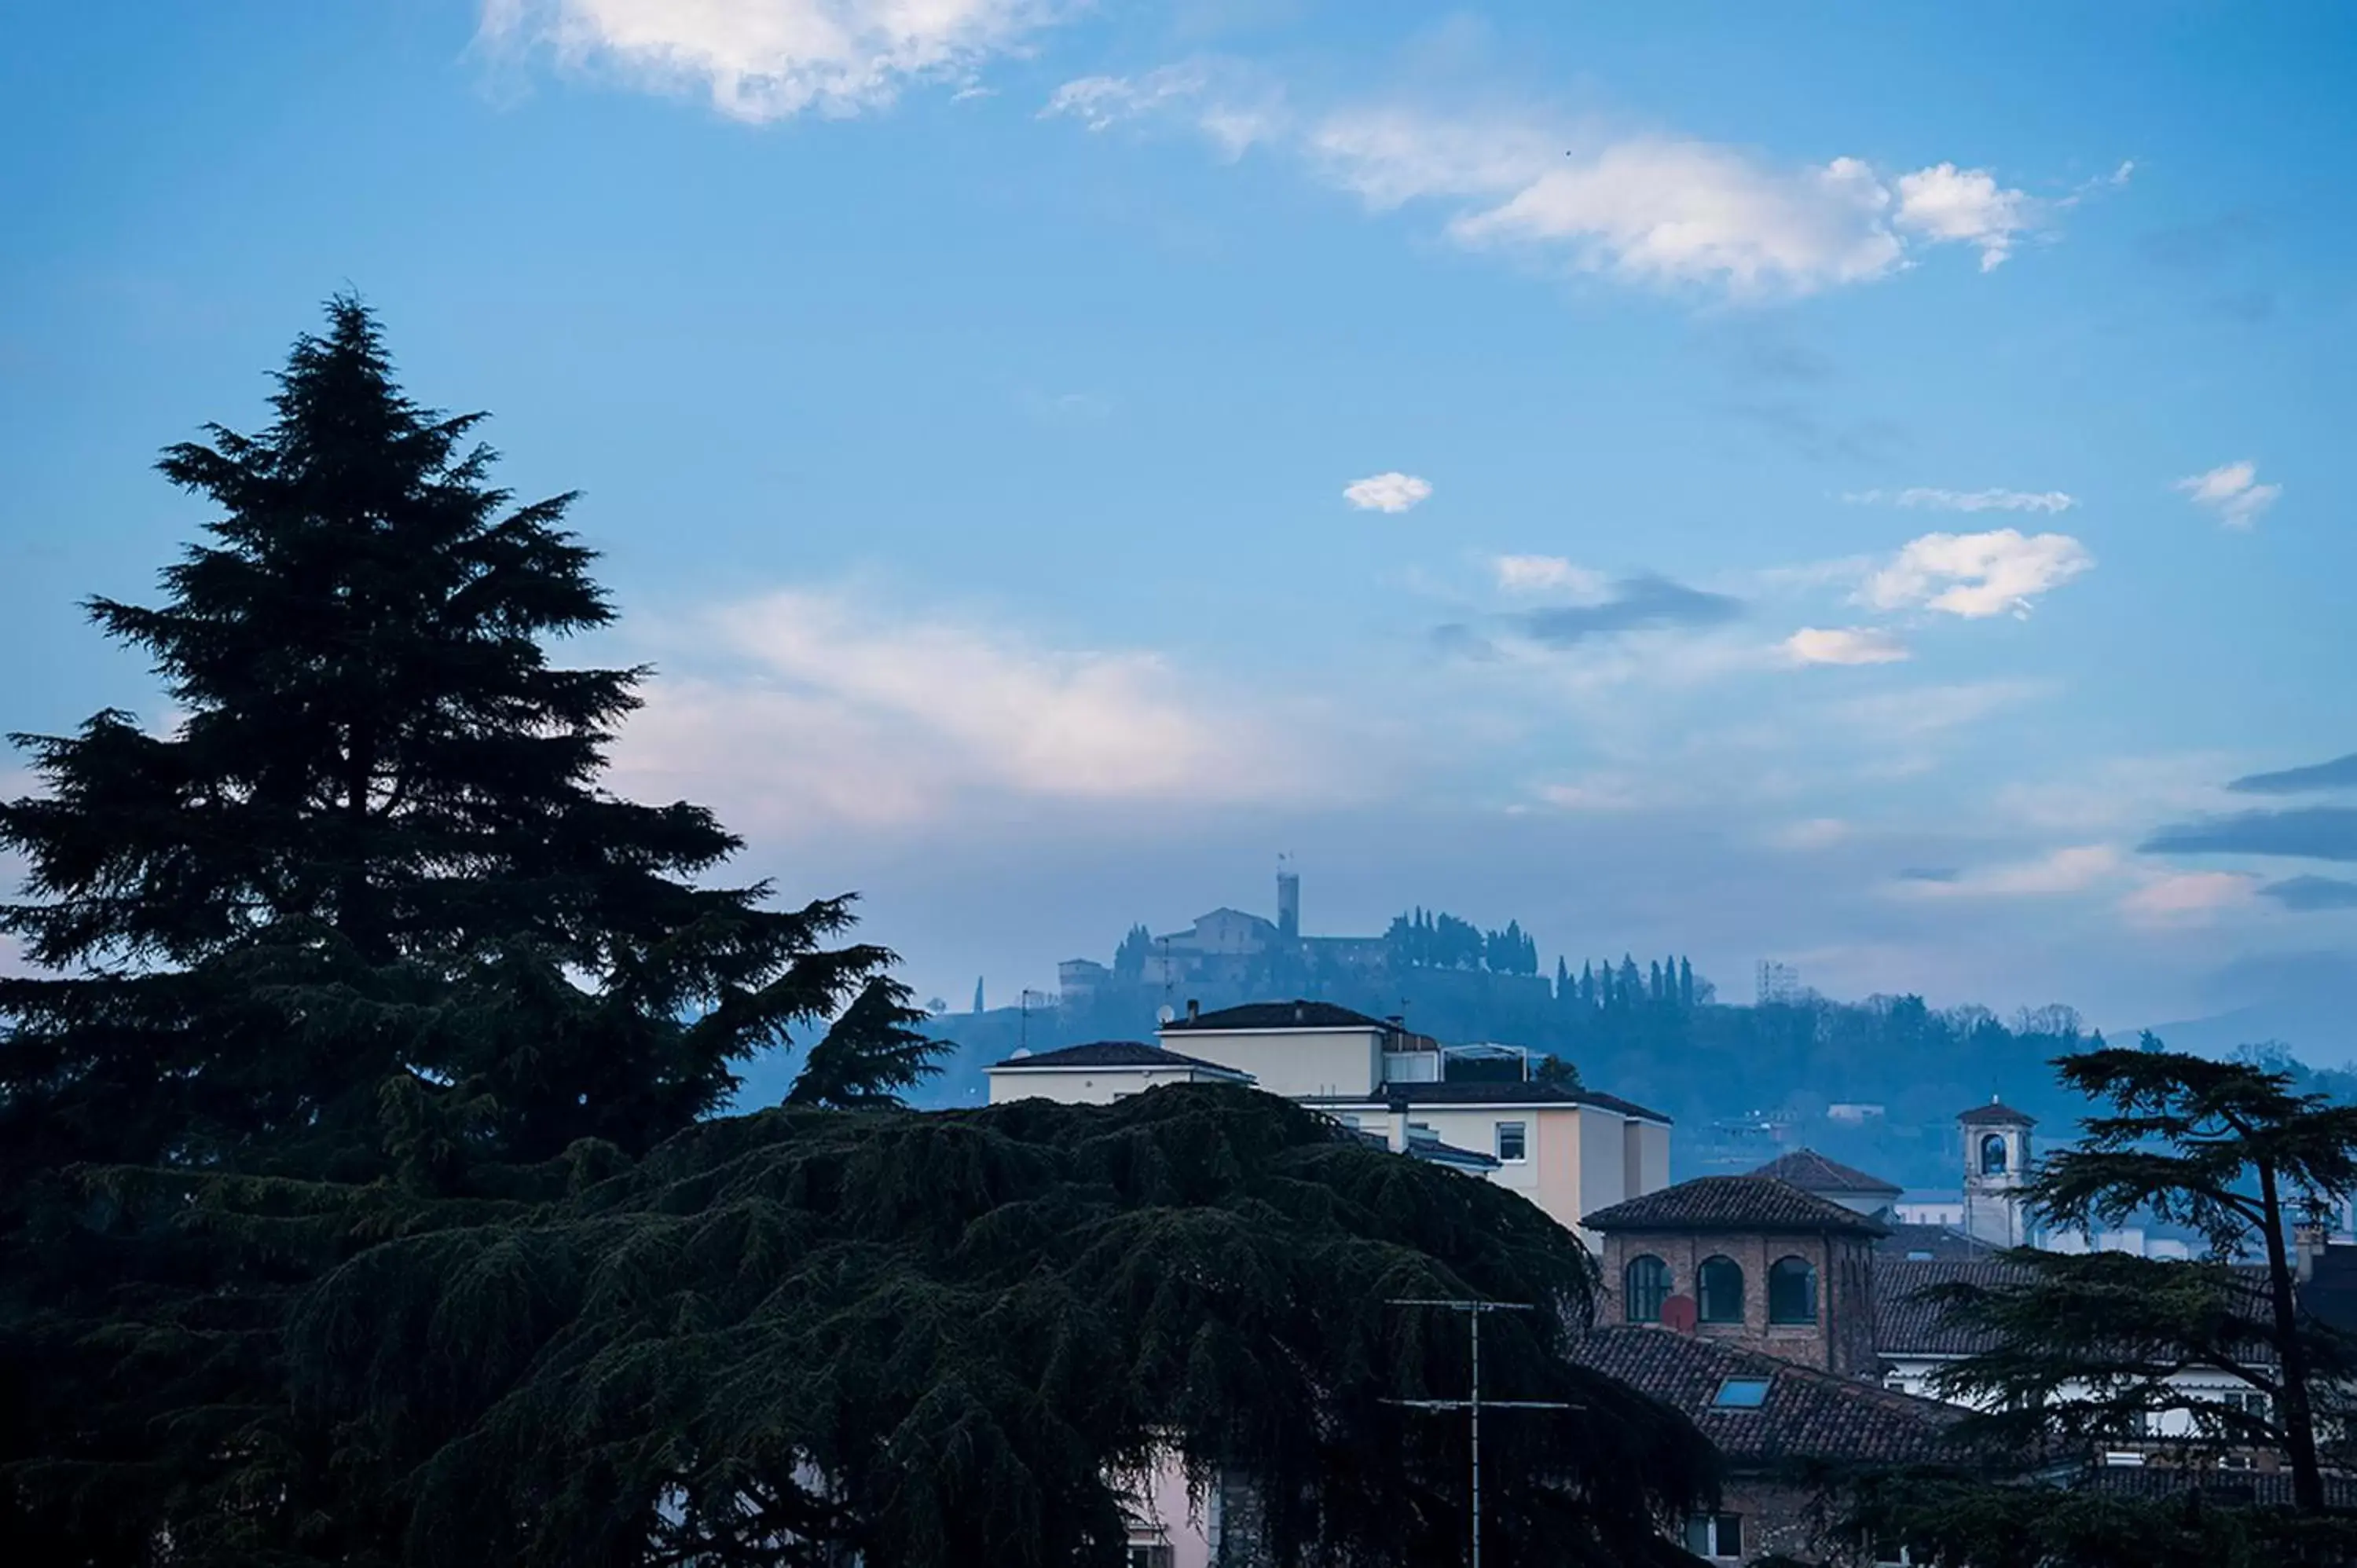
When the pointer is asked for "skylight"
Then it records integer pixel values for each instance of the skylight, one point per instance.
(1742, 1394)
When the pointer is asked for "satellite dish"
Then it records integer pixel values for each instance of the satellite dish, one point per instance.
(1165, 1013)
(1678, 1313)
(1019, 1055)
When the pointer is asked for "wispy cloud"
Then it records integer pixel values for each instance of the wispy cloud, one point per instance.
(2186, 897)
(1844, 645)
(1926, 498)
(2232, 491)
(2309, 832)
(1977, 574)
(827, 707)
(2341, 773)
(1234, 108)
(1646, 208)
(1634, 603)
(1391, 492)
(2070, 870)
(2307, 895)
(770, 59)
(1546, 574)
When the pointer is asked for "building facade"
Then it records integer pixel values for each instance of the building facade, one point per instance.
(1566, 1148)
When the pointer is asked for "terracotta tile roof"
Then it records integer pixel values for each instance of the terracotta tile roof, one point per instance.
(1806, 1414)
(1812, 1172)
(1111, 1053)
(1907, 1324)
(1732, 1203)
(2265, 1488)
(1943, 1243)
(1995, 1111)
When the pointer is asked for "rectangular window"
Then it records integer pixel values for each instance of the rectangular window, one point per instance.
(1150, 1557)
(1514, 1143)
(1742, 1394)
(1717, 1536)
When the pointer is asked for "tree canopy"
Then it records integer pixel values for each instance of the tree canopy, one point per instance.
(946, 1337)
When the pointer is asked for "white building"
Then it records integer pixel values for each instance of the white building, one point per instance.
(1099, 1074)
(1569, 1149)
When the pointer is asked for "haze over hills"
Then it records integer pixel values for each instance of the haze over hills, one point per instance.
(1746, 1068)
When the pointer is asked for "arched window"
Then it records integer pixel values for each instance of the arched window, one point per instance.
(1646, 1283)
(1720, 1285)
(1792, 1290)
(1992, 1155)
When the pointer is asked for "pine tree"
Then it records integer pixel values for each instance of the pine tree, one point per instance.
(1654, 982)
(870, 1053)
(1587, 984)
(359, 930)
(1685, 986)
(2084, 1344)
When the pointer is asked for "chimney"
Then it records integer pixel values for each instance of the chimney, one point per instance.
(2308, 1239)
(1194, 1010)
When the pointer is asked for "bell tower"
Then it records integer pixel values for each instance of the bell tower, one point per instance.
(1997, 1169)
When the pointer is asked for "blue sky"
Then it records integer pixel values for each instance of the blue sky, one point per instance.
(1851, 485)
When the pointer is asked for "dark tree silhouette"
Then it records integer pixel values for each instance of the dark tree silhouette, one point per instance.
(356, 935)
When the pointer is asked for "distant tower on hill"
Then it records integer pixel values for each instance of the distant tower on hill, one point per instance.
(1288, 899)
(1997, 1168)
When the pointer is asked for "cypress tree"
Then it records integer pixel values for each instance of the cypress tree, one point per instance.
(356, 934)
(1685, 986)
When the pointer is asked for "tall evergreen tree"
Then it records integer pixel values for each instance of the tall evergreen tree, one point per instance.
(2087, 1344)
(870, 1053)
(1685, 986)
(361, 915)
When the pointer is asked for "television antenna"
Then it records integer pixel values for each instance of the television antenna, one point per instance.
(1473, 1404)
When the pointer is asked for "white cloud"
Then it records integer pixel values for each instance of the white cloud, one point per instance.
(1607, 793)
(2071, 870)
(838, 711)
(1966, 206)
(1547, 573)
(2233, 491)
(2188, 897)
(1977, 574)
(1924, 497)
(1656, 209)
(1232, 106)
(1648, 210)
(1844, 645)
(769, 59)
(1818, 833)
(1393, 491)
